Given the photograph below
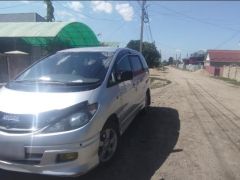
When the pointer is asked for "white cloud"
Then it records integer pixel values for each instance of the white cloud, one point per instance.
(125, 10)
(25, 2)
(63, 13)
(65, 16)
(75, 5)
(102, 6)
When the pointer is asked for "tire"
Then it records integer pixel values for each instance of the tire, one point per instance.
(109, 140)
(147, 103)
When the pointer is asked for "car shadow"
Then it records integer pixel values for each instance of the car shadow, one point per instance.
(143, 149)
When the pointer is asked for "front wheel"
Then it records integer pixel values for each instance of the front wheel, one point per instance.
(108, 142)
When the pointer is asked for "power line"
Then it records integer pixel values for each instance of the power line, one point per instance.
(117, 29)
(196, 19)
(143, 14)
(150, 32)
(91, 17)
(147, 21)
(146, 34)
(227, 40)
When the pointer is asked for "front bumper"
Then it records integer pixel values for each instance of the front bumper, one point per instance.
(42, 159)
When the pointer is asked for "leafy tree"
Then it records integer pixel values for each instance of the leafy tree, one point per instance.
(170, 60)
(50, 11)
(165, 63)
(150, 52)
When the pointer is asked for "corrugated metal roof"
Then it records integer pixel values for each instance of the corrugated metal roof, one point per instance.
(91, 49)
(31, 29)
(224, 55)
(69, 34)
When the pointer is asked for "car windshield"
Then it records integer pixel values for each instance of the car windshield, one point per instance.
(69, 67)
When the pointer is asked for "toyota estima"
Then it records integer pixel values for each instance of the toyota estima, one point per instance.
(64, 115)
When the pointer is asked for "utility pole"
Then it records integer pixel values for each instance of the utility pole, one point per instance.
(142, 24)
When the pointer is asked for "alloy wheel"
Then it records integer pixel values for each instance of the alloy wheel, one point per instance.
(108, 144)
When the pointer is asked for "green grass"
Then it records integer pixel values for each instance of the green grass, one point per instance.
(231, 81)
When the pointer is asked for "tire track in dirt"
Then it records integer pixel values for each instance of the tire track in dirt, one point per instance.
(215, 114)
(219, 102)
(228, 173)
(227, 121)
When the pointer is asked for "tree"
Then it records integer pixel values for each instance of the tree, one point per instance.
(165, 63)
(170, 60)
(50, 11)
(150, 52)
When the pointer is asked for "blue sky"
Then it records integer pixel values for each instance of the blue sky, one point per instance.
(178, 27)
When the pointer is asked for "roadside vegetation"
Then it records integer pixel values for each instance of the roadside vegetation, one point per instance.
(150, 52)
(231, 81)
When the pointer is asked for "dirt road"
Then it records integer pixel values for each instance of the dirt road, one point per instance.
(192, 131)
(209, 113)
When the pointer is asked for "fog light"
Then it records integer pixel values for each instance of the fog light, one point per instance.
(67, 157)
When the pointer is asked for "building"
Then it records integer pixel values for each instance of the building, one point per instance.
(12, 63)
(196, 58)
(35, 38)
(38, 39)
(216, 59)
(22, 17)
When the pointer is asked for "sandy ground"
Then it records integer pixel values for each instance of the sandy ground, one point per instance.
(192, 131)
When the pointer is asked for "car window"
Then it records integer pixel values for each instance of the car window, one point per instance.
(79, 67)
(136, 64)
(144, 63)
(122, 65)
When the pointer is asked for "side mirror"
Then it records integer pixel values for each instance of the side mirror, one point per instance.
(124, 76)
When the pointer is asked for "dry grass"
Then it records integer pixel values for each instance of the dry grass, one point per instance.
(231, 81)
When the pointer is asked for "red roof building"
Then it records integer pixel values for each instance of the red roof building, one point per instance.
(216, 59)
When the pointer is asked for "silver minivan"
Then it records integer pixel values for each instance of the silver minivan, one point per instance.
(64, 115)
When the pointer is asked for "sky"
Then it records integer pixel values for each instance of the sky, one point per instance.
(178, 28)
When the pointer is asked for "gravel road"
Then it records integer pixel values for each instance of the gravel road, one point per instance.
(192, 131)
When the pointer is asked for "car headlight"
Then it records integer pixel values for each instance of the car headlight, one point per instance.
(73, 121)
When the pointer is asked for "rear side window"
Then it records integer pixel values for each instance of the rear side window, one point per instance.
(136, 64)
(145, 66)
(124, 65)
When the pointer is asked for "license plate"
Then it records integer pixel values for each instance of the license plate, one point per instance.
(11, 151)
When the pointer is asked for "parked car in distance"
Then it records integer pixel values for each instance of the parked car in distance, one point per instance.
(64, 115)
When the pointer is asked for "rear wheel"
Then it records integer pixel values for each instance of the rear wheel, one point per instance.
(147, 103)
(109, 138)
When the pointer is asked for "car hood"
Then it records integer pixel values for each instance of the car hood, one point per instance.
(19, 102)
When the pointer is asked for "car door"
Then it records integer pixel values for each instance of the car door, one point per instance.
(125, 91)
(138, 80)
